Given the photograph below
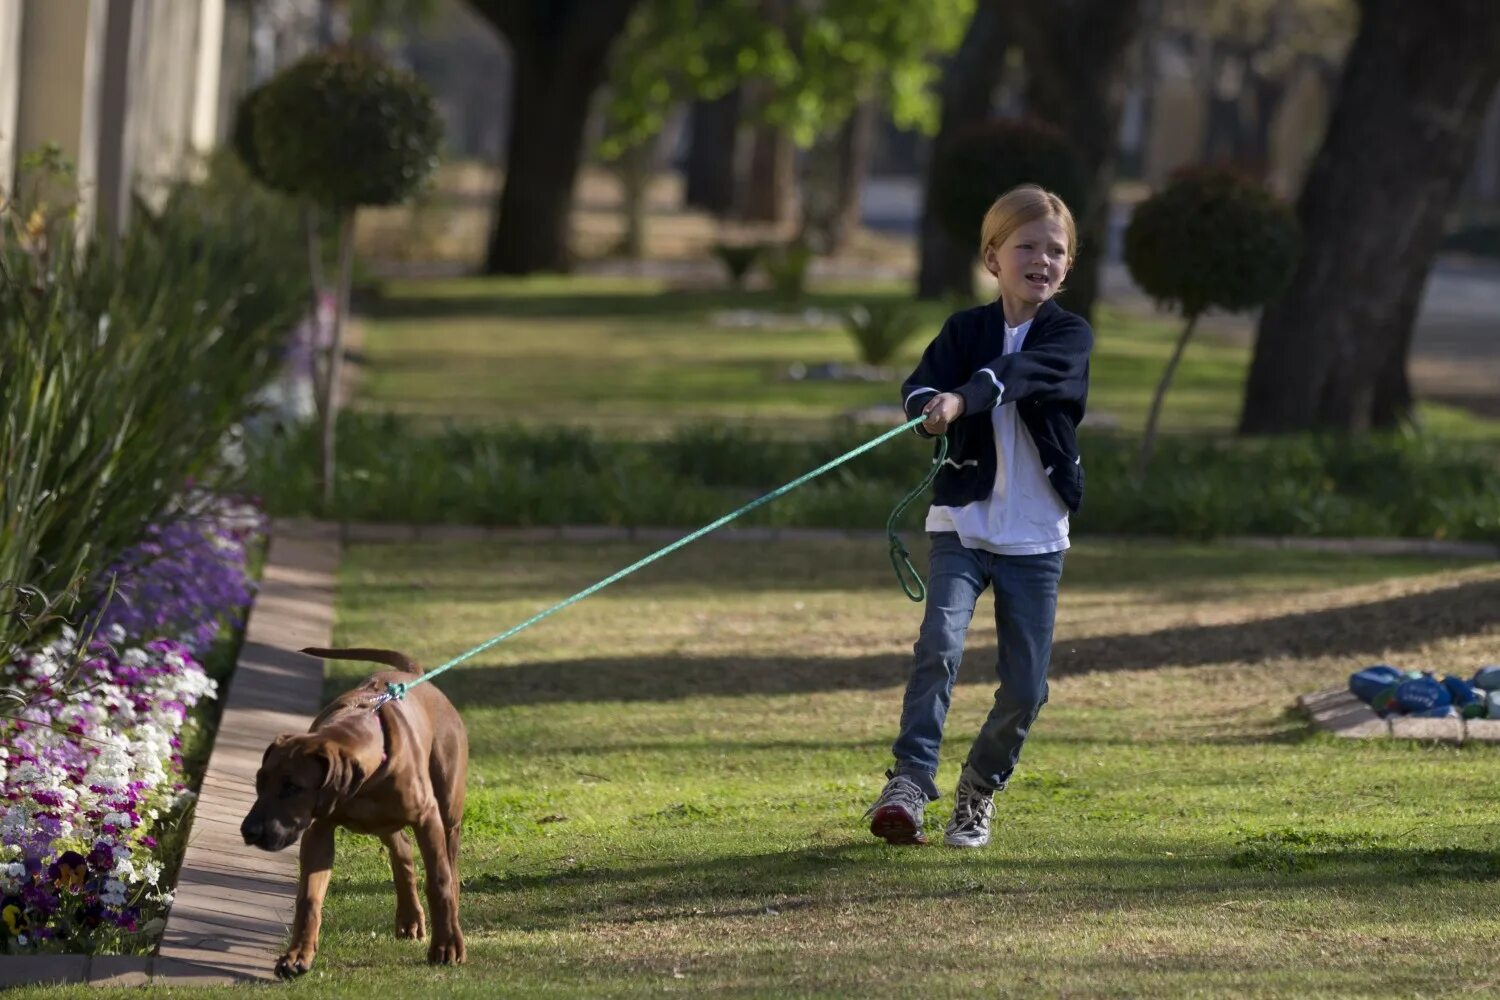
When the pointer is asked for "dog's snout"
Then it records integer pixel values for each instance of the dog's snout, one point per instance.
(252, 829)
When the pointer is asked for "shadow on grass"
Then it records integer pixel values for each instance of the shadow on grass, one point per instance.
(1362, 631)
(867, 873)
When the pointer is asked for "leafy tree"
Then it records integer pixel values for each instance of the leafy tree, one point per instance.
(806, 68)
(1331, 353)
(1210, 239)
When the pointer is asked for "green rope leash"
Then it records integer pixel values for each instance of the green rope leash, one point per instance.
(900, 558)
(397, 691)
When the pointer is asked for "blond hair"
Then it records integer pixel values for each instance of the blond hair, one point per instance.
(1020, 205)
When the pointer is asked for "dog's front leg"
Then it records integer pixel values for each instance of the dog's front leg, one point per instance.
(316, 868)
(447, 947)
(409, 921)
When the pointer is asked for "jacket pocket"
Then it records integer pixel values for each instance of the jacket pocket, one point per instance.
(1067, 480)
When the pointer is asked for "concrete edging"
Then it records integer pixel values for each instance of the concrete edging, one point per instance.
(1338, 711)
(233, 905)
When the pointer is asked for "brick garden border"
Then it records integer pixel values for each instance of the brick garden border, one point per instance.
(233, 904)
(1338, 711)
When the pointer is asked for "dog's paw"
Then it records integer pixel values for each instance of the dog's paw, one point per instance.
(413, 926)
(446, 949)
(293, 964)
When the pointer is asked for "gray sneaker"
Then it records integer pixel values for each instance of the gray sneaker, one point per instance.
(973, 808)
(896, 817)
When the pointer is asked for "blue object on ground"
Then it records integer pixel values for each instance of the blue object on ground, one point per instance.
(1422, 694)
(1369, 683)
(1487, 678)
(1466, 699)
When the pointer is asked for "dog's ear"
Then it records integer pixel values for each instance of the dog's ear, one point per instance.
(276, 744)
(342, 778)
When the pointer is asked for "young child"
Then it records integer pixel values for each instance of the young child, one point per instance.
(1007, 383)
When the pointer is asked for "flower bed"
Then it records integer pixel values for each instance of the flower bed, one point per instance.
(92, 764)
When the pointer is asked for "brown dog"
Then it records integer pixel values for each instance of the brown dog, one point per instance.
(376, 771)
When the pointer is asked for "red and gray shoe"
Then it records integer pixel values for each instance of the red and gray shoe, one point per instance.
(896, 817)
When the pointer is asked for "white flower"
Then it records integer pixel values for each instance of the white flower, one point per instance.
(114, 892)
(151, 872)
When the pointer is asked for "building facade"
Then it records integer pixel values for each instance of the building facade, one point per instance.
(134, 92)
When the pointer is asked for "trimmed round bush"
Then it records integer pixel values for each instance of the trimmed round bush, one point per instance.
(345, 128)
(1212, 238)
(242, 136)
(984, 161)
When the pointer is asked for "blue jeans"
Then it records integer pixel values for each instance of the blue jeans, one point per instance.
(1025, 609)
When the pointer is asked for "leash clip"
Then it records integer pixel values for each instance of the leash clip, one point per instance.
(392, 692)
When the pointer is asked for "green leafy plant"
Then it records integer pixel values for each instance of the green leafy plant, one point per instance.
(341, 129)
(786, 267)
(398, 469)
(738, 259)
(121, 370)
(1212, 238)
(880, 328)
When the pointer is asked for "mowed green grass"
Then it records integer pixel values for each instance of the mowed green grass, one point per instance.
(668, 778)
(631, 356)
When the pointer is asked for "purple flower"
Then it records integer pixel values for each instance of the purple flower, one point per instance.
(102, 857)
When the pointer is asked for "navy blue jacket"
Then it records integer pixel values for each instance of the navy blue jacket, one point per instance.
(1047, 380)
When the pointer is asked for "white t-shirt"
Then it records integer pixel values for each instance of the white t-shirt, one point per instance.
(1023, 515)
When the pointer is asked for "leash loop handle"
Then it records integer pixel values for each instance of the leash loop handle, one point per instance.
(900, 558)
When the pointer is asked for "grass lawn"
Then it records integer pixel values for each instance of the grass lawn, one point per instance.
(668, 780)
(630, 356)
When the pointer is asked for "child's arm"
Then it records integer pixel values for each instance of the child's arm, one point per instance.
(1056, 370)
(940, 371)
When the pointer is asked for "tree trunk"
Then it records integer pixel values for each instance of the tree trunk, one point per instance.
(560, 51)
(1331, 353)
(1075, 60)
(832, 177)
(636, 168)
(766, 195)
(856, 143)
(333, 367)
(968, 86)
(712, 145)
(1148, 439)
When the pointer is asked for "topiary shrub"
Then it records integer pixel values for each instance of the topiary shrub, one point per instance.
(1211, 239)
(344, 128)
(242, 135)
(341, 128)
(984, 161)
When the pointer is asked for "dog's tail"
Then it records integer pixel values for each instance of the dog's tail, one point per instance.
(389, 657)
